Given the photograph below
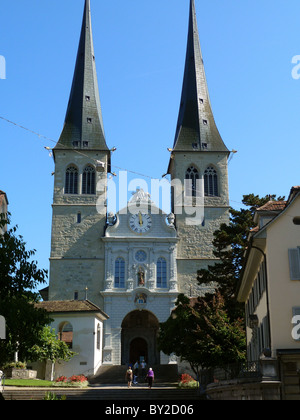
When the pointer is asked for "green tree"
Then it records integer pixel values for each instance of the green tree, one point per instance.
(230, 243)
(200, 333)
(209, 331)
(19, 277)
(50, 348)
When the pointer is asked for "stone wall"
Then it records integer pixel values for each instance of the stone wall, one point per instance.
(244, 390)
(13, 373)
(77, 252)
(195, 249)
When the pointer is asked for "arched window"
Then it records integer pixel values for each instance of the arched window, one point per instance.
(191, 177)
(161, 273)
(89, 180)
(211, 182)
(71, 182)
(66, 333)
(120, 273)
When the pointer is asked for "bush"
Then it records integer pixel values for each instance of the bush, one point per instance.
(15, 365)
(50, 396)
(78, 378)
(74, 380)
(186, 381)
(62, 379)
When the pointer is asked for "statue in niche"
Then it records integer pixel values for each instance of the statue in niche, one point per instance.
(141, 277)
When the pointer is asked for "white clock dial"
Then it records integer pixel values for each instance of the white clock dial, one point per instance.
(140, 223)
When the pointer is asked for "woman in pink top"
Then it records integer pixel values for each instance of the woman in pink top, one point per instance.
(150, 377)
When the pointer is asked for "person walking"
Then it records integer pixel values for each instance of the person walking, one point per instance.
(135, 372)
(143, 367)
(129, 376)
(150, 377)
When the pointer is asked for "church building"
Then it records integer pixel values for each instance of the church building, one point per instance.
(115, 277)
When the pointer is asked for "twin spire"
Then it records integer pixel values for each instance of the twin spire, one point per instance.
(196, 129)
(83, 127)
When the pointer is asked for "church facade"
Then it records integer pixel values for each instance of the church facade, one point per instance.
(132, 265)
(140, 280)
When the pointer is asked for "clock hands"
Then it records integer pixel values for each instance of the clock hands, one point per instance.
(141, 219)
(140, 223)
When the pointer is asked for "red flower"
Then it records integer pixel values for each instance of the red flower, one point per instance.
(78, 378)
(61, 379)
(185, 378)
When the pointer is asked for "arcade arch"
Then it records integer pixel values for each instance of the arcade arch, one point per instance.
(139, 338)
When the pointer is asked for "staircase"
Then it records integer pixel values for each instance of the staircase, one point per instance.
(109, 375)
(111, 394)
(109, 384)
(164, 374)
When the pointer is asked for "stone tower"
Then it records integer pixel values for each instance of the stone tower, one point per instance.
(82, 161)
(198, 169)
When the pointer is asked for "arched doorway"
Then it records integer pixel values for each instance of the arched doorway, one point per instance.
(138, 349)
(139, 338)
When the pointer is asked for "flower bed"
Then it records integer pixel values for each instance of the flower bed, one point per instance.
(186, 381)
(79, 381)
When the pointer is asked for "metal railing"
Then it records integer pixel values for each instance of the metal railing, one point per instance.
(229, 372)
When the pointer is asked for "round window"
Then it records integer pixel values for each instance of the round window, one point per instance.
(141, 256)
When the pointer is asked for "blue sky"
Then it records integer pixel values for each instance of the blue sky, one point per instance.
(140, 46)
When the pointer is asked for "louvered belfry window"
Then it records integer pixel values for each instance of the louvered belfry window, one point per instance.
(89, 180)
(211, 182)
(191, 177)
(71, 182)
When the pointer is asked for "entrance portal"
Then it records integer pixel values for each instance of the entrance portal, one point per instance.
(138, 350)
(139, 336)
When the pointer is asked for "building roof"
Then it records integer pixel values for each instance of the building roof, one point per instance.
(64, 306)
(270, 209)
(272, 206)
(293, 192)
(83, 121)
(196, 128)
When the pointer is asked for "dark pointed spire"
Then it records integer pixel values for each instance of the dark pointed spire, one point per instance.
(83, 121)
(196, 128)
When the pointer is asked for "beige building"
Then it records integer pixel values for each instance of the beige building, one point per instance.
(270, 289)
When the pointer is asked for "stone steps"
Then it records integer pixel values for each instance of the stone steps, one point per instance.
(105, 394)
(116, 375)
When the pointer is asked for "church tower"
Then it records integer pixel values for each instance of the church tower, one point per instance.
(198, 169)
(82, 161)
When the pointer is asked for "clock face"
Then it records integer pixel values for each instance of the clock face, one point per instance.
(140, 223)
